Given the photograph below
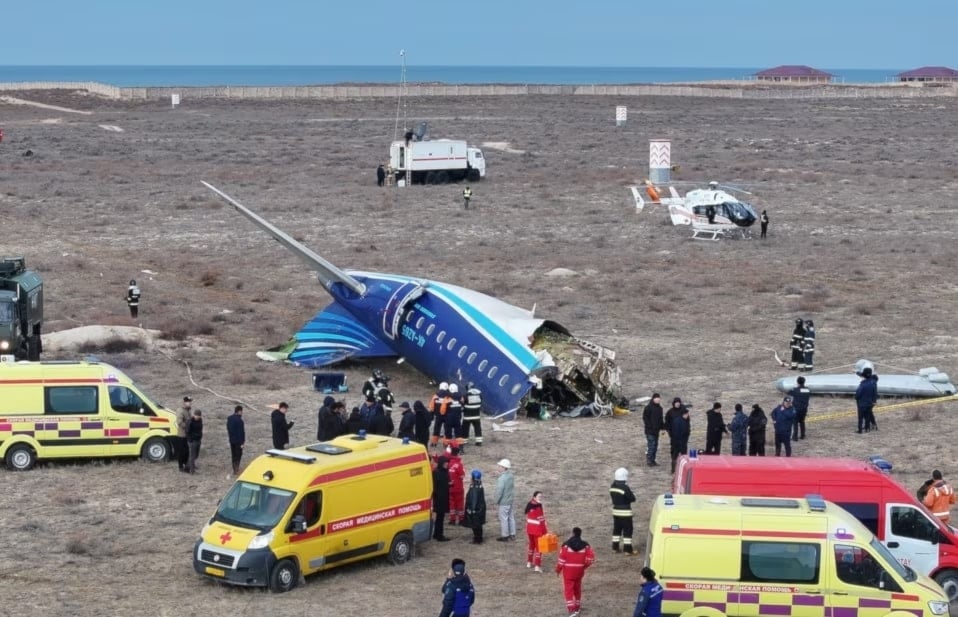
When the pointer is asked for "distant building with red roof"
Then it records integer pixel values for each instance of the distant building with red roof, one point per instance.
(794, 73)
(930, 73)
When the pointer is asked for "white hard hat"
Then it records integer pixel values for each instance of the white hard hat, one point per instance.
(505, 463)
(444, 386)
(453, 389)
(621, 474)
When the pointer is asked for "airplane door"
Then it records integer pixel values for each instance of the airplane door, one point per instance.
(909, 534)
(392, 316)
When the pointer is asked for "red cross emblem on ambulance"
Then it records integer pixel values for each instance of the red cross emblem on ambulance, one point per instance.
(226, 537)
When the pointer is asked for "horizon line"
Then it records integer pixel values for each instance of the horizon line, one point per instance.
(535, 66)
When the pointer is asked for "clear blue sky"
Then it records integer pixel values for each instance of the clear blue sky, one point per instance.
(700, 33)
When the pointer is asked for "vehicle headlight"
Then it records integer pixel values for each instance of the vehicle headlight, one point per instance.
(938, 607)
(4, 345)
(263, 540)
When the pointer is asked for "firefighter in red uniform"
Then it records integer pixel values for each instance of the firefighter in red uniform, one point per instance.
(437, 407)
(535, 529)
(457, 491)
(574, 557)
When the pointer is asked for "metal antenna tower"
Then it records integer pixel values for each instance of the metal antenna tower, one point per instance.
(401, 100)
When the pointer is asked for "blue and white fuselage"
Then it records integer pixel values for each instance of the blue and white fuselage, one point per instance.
(449, 333)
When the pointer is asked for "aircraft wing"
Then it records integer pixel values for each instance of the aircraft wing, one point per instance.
(331, 336)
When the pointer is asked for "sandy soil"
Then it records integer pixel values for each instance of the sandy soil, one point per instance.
(860, 193)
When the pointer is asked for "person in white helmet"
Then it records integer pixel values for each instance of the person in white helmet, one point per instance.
(622, 499)
(505, 496)
(437, 407)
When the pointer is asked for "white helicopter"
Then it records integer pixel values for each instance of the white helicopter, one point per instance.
(712, 212)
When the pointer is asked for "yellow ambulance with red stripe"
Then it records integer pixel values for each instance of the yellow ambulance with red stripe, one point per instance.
(87, 409)
(298, 511)
(751, 556)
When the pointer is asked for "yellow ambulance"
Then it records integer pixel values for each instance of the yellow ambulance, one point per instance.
(82, 409)
(751, 556)
(315, 507)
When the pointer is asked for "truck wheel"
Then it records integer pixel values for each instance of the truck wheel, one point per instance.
(430, 177)
(402, 548)
(948, 579)
(473, 175)
(442, 177)
(155, 450)
(21, 457)
(284, 577)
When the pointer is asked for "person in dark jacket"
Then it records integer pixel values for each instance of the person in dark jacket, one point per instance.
(800, 398)
(354, 423)
(381, 423)
(649, 602)
(622, 500)
(654, 423)
(865, 398)
(476, 506)
(332, 423)
(783, 418)
(440, 498)
(764, 222)
(757, 420)
(738, 427)
(458, 593)
(798, 346)
(423, 422)
(324, 419)
(368, 410)
(808, 350)
(714, 429)
(194, 436)
(236, 431)
(407, 422)
(681, 429)
(380, 175)
(280, 426)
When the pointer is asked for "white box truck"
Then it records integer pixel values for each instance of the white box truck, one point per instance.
(436, 161)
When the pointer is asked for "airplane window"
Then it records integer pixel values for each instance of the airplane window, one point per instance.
(451, 344)
(515, 389)
(430, 329)
(420, 322)
(483, 365)
(409, 316)
(463, 350)
(504, 381)
(440, 336)
(472, 358)
(493, 371)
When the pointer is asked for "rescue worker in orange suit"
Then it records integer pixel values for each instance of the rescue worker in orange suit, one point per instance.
(453, 426)
(622, 500)
(798, 346)
(535, 529)
(940, 497)
(457, 491)
(437, 407)
(575, 557)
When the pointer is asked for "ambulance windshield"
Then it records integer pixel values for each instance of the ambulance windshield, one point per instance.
(254, 506)
(903, 571)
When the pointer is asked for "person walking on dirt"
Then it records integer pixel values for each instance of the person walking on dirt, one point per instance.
(535, 529)
(466, 196)
(575, 557)
(866, 395)
(800, 397)
(236, 431)
(764, 222)
(757, 421)
(133, 299)
(653, 423)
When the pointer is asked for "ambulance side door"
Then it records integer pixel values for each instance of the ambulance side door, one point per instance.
(127, 420)
(75, 426)
(911, 537)
(307, 532)
(861, 585)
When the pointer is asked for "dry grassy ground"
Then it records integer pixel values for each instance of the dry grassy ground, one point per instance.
(860, 193)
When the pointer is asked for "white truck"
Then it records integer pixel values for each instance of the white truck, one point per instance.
(436, 161)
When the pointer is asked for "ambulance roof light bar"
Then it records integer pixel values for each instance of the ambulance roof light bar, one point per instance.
(293, 456)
